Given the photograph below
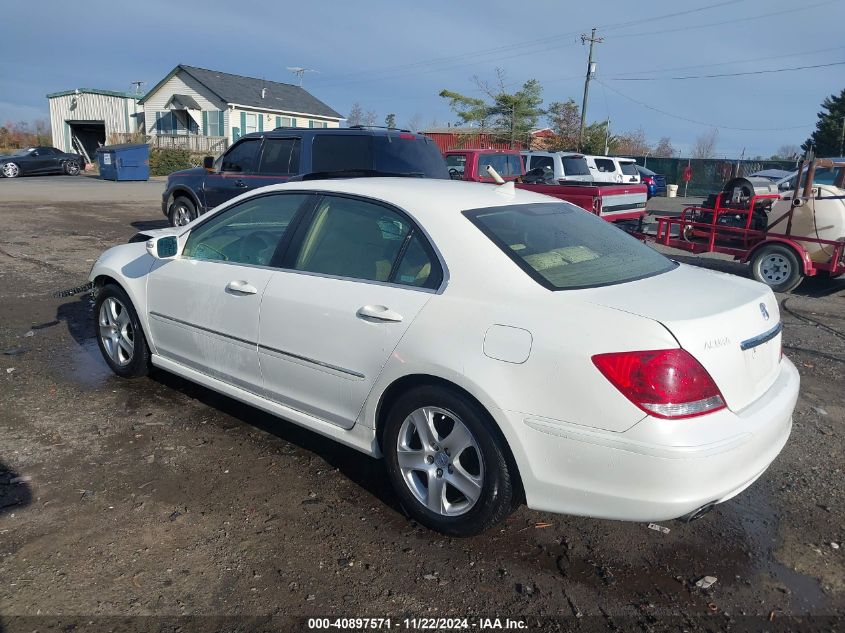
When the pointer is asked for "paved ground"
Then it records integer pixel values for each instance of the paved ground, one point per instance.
(157, 497)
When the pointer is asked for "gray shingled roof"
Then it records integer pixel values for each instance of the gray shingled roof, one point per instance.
(247, 91)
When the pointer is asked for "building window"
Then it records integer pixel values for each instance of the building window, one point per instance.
(251, 123)
(213, 125)
(318, 124)
(285, 121)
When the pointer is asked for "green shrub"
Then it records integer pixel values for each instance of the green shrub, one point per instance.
(166, 161)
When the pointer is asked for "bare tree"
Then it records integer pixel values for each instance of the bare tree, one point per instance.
(705, 145)
(788, 152)
(369, 118)
(414, 123)
(356, 113)
(632, 144)
(664, 148)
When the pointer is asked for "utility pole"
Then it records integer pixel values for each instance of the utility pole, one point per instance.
(842, 139)
(591, 70)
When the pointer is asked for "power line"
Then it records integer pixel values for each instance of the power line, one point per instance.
(735, 61)
(733, 21)
(750, 72)
(704, 123)
(525, 44)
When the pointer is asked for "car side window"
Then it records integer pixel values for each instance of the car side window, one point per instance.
(605, 166)
(280, 156)
(418, 266)
(353, 238)
(247, 233)
(243, 157)
(545, 162)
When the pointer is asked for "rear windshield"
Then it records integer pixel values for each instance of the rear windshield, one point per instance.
(629, 169)
(505, 164)
(413, 155)
(646, 172)
(396, 155)
(563, 247)
(575, 167)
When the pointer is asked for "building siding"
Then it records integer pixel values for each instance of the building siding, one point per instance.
(180, 84)
(115, 112)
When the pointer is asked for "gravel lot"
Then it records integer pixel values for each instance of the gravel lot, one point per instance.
(160, 498)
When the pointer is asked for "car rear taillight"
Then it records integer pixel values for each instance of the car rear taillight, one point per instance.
(666, 383)
(648, 180)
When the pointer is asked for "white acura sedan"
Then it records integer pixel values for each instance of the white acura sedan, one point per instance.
(492, 345)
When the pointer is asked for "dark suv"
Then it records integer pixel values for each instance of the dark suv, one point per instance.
(267, 158)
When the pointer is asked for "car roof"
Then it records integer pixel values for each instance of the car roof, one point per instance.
(333, 131)
(427, 198)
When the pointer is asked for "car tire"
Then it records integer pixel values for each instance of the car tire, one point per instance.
(120, 336)
(71, 168)
(181, 211)
(11, 170)
(464, 453)
(778, 267)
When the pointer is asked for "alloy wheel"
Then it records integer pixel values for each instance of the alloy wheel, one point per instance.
(116, 331)
(181, 215)
(10, 170)
(440, 461)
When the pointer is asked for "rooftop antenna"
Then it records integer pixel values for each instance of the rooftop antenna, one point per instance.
(299, 71)
(137, 85)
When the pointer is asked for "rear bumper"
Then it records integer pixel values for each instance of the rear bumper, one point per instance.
(658, 469)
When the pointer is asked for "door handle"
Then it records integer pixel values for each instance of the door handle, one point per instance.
(379, 313)
(240, 184)
(241, 287)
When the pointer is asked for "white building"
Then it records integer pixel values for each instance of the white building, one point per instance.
(205, 110)
(86, 118)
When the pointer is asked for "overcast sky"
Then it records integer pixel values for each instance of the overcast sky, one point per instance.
(394, 56)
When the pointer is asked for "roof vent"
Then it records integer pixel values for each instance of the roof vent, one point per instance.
(263, 92)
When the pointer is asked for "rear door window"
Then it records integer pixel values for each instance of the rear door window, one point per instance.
(575, 166)
(280, 156)
(544, 162)
(605, 165)
(243, 157)
(563, 247)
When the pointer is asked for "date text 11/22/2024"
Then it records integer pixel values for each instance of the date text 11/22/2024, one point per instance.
(417, 624)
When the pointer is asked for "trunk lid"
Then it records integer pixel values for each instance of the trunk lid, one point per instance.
(729, 324)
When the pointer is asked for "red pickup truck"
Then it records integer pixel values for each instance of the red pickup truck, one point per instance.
(613, 202)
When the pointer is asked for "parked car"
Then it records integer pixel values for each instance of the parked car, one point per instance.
(613, 202)
(613, 169)
(774, 175)
(656, 183)
(823, 176)
(560, 166)
(491, 344)
(40, 160)
(266, 158)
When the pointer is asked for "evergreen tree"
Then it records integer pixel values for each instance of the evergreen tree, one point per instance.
(827, 139)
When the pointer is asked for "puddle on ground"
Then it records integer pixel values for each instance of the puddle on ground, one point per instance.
(85, 365)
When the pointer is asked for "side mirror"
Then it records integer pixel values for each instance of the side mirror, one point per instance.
(165, 247)
(208, 162)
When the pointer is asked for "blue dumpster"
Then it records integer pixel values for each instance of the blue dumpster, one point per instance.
(127, 161)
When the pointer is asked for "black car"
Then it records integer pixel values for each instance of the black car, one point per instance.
(266, 158)
(40, 160)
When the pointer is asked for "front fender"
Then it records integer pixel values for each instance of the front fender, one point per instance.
(127, 265)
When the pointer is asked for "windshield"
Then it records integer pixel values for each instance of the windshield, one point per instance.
(22, 152)
(629, 169)
(563, 247)
(646, 172)
(575, 166)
